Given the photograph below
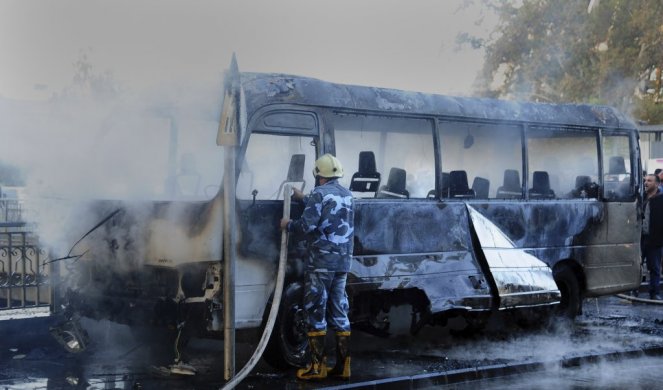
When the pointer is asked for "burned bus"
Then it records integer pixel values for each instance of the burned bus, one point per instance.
(464, 207)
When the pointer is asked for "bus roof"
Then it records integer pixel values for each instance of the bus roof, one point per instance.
(263, 89)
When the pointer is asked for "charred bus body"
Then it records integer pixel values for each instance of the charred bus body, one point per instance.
(550, 214)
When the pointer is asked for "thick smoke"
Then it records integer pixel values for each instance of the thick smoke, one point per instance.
(127, 149)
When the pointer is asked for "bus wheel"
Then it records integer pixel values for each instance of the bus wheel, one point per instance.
(287, 345)
(568, 285)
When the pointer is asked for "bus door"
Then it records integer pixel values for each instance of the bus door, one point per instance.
(618, 264)
(270, 161)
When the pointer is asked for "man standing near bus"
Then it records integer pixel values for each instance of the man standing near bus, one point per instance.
(659, 173)
(328, 224)
(652, 233)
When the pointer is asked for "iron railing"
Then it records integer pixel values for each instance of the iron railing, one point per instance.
(24, 278)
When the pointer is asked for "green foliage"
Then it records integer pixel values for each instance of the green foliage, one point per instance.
(649, 111)
(558, 51)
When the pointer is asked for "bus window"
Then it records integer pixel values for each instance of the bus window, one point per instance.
(485, 158)
(400, 155)
(617, 168)
(267, 163)
(563, 163)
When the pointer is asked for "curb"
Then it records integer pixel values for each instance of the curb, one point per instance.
(494, 371)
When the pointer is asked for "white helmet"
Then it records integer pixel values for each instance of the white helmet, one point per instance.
(328, 166)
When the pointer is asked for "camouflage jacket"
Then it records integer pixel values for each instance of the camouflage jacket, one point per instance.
(328, 224)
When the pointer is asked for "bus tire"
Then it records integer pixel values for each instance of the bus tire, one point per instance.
(287, 345)
(568, 285)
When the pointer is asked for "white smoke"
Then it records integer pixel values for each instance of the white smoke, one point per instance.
(130, 146)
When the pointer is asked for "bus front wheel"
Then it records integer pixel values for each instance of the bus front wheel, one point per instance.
(288, 343)
(568, 285)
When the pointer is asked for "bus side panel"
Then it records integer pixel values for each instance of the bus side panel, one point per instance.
(598, 236)
(399, 245)
(422, 245)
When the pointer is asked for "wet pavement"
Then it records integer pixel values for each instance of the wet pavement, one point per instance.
(634, 374)
(118, 358)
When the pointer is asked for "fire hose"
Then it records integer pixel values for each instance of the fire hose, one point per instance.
(640, 300)
(276, 301)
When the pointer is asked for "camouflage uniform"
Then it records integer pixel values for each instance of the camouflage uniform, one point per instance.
(328, 223)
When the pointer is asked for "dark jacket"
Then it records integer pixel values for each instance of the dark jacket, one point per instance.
(655, 236)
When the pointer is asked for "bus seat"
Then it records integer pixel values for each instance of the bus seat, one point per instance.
(367, 178)
(295, 171)
(616, 165)
(395, 187)
(616, 185)
(585, 188)
(581, 182)
(511, 187)
(458, 187)
(445, 184)
(480, 186)
(541, 186)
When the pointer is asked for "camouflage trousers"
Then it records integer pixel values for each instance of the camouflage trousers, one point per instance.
(326, 302)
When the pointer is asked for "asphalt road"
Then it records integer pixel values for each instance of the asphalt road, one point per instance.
(118, 358)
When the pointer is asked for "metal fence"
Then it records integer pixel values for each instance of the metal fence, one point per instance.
(24, 279)
(11, 210)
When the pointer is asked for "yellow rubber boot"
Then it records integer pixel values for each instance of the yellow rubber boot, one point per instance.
(317, 369)
(342, 368)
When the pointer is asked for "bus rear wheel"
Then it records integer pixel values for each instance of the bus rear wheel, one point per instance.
(568, 285)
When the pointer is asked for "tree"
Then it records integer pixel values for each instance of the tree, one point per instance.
(567, 51)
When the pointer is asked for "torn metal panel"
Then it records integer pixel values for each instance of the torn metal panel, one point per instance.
(411, 245)
(521, 278)
(598, 236)
(450, 280)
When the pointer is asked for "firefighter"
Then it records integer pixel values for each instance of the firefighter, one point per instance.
(328, 225)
